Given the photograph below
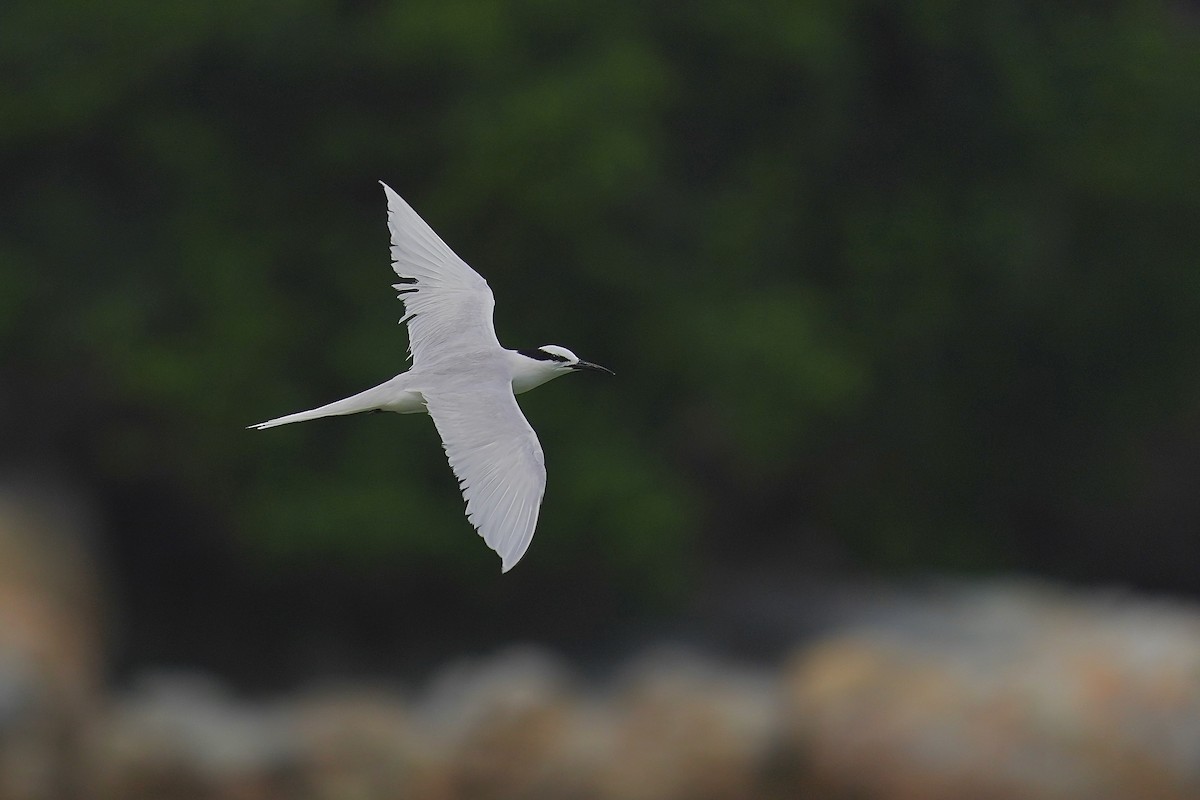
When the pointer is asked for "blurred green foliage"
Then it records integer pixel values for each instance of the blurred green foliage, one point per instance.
(919, 279)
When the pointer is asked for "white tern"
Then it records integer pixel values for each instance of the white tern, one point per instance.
(463, 378)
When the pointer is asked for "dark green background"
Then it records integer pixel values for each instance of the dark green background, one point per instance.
(888, 287)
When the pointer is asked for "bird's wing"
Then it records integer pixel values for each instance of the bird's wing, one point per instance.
(498, 460)
(448, 306)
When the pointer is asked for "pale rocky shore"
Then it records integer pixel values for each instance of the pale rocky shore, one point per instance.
(950, 691)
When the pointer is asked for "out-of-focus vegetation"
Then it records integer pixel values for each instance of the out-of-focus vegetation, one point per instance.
(916, 281)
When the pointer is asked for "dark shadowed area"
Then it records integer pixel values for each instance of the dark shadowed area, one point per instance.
(896, 492)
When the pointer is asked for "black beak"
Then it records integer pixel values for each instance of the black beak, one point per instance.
(589, 366)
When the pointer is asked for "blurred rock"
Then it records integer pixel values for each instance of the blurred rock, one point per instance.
(686, 728)
(358, 743)
(51, 642)
(509, 727)
(1001, 691)
(181, 735)
(1004, 692)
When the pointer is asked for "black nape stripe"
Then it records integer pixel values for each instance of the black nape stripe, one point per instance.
(542, 355)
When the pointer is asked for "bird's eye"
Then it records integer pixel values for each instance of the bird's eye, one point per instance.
(541, 355)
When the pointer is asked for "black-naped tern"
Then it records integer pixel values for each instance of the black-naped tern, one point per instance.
(465, 380)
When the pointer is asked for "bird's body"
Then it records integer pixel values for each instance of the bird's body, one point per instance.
(402, 394)
(466, 381)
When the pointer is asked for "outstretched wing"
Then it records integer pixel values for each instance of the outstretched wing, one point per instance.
(498, 460)
(448, 305)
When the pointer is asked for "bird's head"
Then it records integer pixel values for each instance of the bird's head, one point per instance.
(548, 362)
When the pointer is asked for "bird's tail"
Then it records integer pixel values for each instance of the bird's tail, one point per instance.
(363, 401)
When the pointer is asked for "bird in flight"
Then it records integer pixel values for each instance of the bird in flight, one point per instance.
(463, 378)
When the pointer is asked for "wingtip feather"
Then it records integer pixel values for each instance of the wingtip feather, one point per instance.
(388, 192)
